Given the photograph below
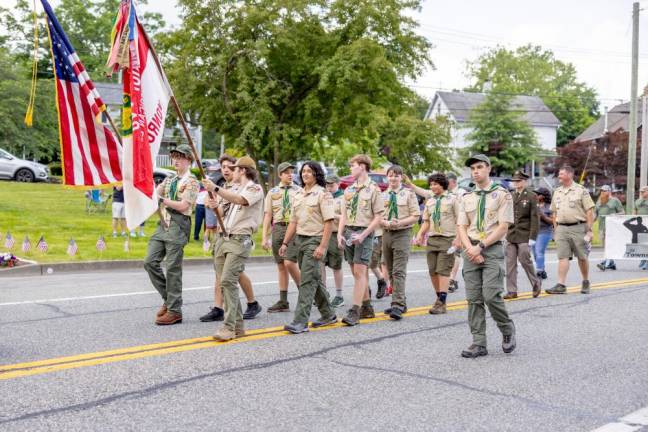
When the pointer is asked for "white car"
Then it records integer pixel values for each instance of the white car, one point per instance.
(13, 168)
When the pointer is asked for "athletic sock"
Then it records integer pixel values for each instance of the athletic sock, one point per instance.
(283, 296)
(442, 297)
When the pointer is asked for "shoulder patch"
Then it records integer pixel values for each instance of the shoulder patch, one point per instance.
(254, 188)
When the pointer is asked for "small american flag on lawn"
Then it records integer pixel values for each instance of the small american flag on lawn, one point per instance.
(126, 246)
(206, 244)
(72, 248)
(42, 245)
(9, 241)
(26, 246)
(101, 244)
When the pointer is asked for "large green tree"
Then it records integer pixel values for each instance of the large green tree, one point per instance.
(500, 131)
(289, 79)
(532, 70)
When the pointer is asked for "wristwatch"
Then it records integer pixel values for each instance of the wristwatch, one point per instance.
(481, 245)
(161, 201)
(216, 188)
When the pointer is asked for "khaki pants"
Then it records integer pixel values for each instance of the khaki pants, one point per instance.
(311, 285)
(230, 254)
(396, 250)
(519, 252)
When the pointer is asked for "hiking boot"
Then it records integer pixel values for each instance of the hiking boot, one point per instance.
(215, 314)
(239, 331)
(474, 351)
(352, 317)
(169, 318)
(253, 309)
(438, 308)
(325, 321)
(389, 309)
(508, 341)
(453, 286)
(337, 302)
(601, 266)
(382, 289)
(296, 328)
(280, 306)
(396, 313)
(225, 334)
(367, 311)
(585, 287)
(510, 295)
(161, 311)
(537, 289)
(557, 289)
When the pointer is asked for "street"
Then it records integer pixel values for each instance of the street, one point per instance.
(79, 351)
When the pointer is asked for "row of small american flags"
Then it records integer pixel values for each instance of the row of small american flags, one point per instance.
(43, 247)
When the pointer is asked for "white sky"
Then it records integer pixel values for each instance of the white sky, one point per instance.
(594, 35)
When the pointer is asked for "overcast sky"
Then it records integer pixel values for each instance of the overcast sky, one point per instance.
(594, 35)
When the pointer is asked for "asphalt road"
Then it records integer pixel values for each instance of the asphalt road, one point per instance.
(581, 361)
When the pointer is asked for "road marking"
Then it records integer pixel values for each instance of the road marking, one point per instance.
(135, 352)
(617, 427)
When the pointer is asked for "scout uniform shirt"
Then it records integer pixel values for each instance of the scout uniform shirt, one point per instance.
(612, 206)
(362, 203)
(245, 220)
(178, 188)
(279, 202)
(400, 204)
(442, 212)
(311, 209)
(338, 204)
(570, 204)
(641, 206)
(526, 219)
(483, 210)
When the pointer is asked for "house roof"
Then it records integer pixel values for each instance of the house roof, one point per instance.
(618, 120)
(461, 103)
(111, 93)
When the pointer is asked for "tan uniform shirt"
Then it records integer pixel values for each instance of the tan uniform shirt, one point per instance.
(370, 203)
(311, 210)
(450, 207)
(246, 219)
(224, 206)
(338, 205)
(570, 204)
(274, 202)
(406, 203)
(499, 208)
(187, 190)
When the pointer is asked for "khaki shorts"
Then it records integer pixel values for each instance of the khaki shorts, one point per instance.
(278, 234)
(333, 254)
(439, 261)
(361, 253)
(376, 253)
(570, 240)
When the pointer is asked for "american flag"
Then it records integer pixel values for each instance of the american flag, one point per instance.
(42, 245)
(72, 248)
(101, 244)
(91, 155)
(126, 246)
(26, 246)
(9, 241)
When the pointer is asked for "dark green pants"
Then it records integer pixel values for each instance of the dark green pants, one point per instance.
(311, 286)
(396, 250)
(230, 255)
(484, 287)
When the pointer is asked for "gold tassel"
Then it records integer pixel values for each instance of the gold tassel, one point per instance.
(29, 116)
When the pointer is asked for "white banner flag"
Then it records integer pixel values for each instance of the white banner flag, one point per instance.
(626, 237)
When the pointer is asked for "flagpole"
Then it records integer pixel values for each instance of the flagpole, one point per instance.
(185, 128)
(114, 128)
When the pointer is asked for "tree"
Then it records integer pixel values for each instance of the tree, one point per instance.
(530, 70)
(290, 79)
(499, 131)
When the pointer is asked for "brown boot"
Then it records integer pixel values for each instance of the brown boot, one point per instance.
(438, 308)
(239, 331)
(225, 334)
(537, 290)
(161, 311)
(169, 318)
(510, 295)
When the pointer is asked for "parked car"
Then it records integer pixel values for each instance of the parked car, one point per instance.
(13, 168)
(159, 174)
(379, 179)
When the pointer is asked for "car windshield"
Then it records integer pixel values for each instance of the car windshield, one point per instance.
(5, 154)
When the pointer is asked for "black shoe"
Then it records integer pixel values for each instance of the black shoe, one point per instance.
(296, 328)
(352, 317)
(474, 351)
(215, 314)
(382, 288)
(611, 267)
(389, 310)
(508, 341)
(396, 313)
(253, 309)
(601, 266)
(453, 286)
(542, 274)
(324, 321)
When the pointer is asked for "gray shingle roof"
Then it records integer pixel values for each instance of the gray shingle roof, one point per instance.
(461, 103)
(111, 93)
(618, 119)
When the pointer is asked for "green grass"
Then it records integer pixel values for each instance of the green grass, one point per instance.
(59, 214)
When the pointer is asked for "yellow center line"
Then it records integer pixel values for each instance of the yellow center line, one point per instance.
(158, 349)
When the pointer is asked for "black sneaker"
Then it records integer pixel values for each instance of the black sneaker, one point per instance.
(324, 321)
(611, 267)
(474, 351)
(382, 288)
(542, 274)
(508, 341)
(352, 317)
(389, 310)
(296, 328)
(253, 309)
(453, 286)
(215, 314)
(396, 313)
(601, 266)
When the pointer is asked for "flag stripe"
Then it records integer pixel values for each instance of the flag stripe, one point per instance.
(91, 138)
(83, 161)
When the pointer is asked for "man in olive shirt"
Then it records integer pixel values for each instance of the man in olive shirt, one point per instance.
(521, 236)
(606, 205)
(484, 217)
(641, 208)
(573, 211)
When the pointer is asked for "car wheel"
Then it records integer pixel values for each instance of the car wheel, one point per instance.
(157, 179)
(24, 175)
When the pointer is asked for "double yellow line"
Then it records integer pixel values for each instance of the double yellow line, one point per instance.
(136, 352)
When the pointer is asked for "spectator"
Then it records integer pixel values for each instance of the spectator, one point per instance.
(200, 212)
(641, 208)
(118, 211)
(545, 231)
(606, 205)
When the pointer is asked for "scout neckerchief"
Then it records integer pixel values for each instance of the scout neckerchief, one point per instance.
(436, 216)
(392, 210)
(355, 199)
(338, 194)
(285, 204)
(175, 183)
(481, 213)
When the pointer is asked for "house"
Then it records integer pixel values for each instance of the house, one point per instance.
(457, 106)
(614, 121)
(111, 94)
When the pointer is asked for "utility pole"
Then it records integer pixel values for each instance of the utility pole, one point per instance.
(632, 144)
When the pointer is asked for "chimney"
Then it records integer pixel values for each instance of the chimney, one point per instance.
(605, 124)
